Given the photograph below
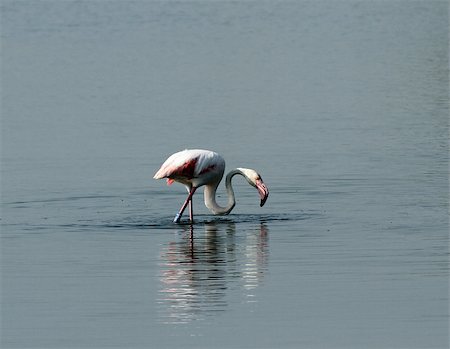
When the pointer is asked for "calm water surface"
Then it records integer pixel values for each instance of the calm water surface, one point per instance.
(342, 106)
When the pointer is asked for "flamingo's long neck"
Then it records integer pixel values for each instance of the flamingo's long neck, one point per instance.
(210, 195)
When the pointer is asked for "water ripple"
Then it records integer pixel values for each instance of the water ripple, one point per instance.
(160, 222)
(200, 220)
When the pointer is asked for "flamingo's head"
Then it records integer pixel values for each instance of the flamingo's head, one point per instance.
(255, 180)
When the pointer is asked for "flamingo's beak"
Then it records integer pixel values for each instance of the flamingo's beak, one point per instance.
(262, 190)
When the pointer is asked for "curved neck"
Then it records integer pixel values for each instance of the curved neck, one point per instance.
(210, 195)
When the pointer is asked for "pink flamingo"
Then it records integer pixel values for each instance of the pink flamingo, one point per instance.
(196, 167)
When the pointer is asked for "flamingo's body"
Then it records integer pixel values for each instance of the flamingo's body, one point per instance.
(195, 168)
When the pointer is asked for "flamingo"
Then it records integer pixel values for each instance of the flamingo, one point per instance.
(197, 167)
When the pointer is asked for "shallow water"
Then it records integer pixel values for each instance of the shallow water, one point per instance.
(341, 106)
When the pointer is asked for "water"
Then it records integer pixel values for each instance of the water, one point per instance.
(342, 106)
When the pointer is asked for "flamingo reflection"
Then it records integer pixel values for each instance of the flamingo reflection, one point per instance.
(198, 274)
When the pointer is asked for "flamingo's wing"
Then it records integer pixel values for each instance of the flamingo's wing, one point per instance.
(187, 164)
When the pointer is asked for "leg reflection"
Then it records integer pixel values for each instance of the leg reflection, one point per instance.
(197, 270)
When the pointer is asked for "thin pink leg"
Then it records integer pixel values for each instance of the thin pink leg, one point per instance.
(191, 211)
(188, 200)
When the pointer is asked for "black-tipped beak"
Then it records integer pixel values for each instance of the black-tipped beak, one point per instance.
(263, 191)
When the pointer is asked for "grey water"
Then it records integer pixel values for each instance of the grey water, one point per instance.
(342, 106)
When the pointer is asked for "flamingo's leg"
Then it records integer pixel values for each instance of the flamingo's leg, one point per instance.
(191, 211)
(188, 200)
